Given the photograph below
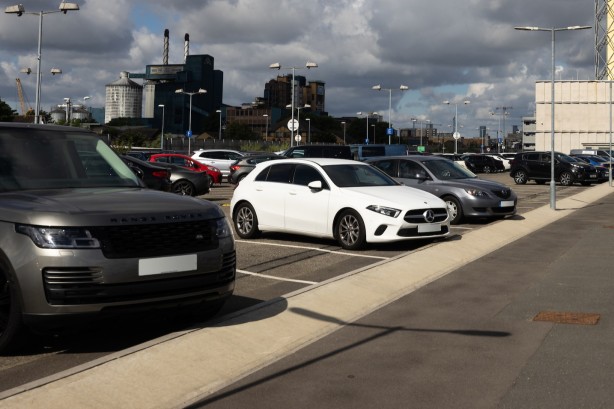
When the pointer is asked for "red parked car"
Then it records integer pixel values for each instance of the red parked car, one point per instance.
(187, 162)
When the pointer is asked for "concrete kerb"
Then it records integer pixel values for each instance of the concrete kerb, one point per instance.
(188, 367)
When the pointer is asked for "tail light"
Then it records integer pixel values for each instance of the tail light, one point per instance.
(234, 168)
(162, 174)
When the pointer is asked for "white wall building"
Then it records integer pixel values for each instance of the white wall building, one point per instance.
(582, 115)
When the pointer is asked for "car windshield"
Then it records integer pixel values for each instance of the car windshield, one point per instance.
(446, 170)
(566, 158)
(37, 159)
(358, 176)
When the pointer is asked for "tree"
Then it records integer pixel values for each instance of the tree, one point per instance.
(240, 131)
(7, 114)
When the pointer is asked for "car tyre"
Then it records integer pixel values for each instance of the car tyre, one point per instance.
(350, 230)
(184, 188)
(454, 209)
(487, 169)
(12, 330)
(520, 177)
(246, 221)
(566, 179)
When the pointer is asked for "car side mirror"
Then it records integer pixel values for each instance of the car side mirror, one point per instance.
(315, 185)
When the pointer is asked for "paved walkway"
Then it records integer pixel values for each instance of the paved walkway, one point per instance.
(451, 325)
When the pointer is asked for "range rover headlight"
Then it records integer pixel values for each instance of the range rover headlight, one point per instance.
(59, 237)
(386, 211)
(223, 228)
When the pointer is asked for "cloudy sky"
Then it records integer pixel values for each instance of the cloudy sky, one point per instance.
(452, 50)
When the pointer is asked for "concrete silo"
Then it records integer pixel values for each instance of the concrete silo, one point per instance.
(124, 99)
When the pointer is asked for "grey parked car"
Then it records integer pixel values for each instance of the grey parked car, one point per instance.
(81, 236)
(465, 194)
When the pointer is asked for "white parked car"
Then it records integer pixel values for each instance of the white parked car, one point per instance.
(347, 200)
(219, 158)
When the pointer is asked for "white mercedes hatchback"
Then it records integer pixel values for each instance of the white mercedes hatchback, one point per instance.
(347, 200)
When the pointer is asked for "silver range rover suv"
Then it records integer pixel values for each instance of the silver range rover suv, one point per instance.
(80, 236)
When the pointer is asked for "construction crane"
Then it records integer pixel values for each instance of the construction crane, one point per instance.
(22, 100)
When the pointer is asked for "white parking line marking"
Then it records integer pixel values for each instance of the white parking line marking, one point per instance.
(314, 249)
(276, 278)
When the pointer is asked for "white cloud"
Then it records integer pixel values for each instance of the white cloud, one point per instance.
(440, 49)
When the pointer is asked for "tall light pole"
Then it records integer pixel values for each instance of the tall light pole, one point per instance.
(162, 134)
(189, 133)
(309, 131)
(277, 66)
(343, 123)
(366, 114)
(552, 30)
(219, 131)
(19, 9)
(378, 87)
(266, 132)
(456, 135)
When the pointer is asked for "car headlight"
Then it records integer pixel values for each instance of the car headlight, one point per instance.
(222, 228)
(476, 192)
(59, 237)
(386, 211)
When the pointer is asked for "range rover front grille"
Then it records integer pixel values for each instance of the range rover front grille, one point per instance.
(156, 240)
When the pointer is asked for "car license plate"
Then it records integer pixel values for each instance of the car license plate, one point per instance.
(167, 265)
(428, 228)
(593, 176)
(506, 203)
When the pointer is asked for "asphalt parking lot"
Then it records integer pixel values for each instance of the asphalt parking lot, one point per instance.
(268, 267)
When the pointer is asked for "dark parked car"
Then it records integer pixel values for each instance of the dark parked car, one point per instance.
(319, 151)
(243, 166)
(537, 166)
(154, 177)
(187, 182)
(483, 164)
(81, 237)
(599, 162)
(464, 193)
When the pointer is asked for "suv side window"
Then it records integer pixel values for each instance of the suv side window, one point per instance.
(387, 166)
(531, 156)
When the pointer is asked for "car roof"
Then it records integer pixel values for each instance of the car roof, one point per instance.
(322, 161)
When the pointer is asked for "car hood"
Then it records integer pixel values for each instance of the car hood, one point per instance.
(102, 207)
(399, 195)
(474, 183)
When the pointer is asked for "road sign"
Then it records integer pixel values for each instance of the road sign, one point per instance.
(456, 135)
(188, 134)
(389, 131)
(293, 124)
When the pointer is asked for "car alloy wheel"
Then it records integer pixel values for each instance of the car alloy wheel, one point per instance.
(487, 169)
(454, 209)
(183, 187)
(520, 177)
(246, 221)
(11, 327)
(350, 230)
(566, 179)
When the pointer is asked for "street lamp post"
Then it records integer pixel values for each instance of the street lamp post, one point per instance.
(379, 88)
(309, 131)
(19, 9)
(343, 123)
(277, 66)
(266, 132)
(191, 94)
(298, 120)
(162, 134)
(552, 30)
(366, 114)
(456, 135)
(219, 131)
